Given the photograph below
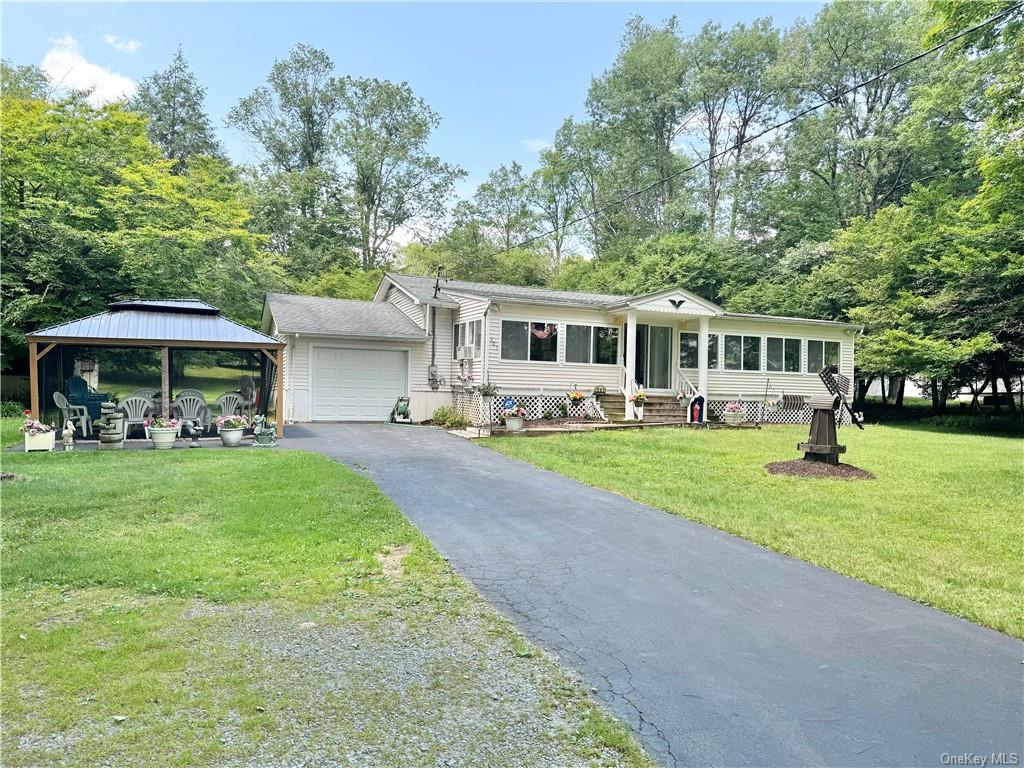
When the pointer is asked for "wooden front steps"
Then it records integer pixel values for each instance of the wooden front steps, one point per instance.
(658, 408)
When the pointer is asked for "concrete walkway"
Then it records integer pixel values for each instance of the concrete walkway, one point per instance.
(716, 651)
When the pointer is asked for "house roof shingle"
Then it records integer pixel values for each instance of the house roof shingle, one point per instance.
(341, 317)
(423, 289)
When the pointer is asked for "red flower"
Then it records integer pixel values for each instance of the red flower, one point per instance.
(27, 412)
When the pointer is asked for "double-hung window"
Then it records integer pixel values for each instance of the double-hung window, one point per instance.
(821, 354)
(468, 334)
(598, 344)
(782, 355)
(742, 353)
(688, 348)
(524, 340)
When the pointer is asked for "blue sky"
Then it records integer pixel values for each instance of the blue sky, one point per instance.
(502, 76)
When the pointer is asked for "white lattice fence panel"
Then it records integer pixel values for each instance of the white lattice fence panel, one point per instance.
(773, 414)
(555, 405)
(469, 403)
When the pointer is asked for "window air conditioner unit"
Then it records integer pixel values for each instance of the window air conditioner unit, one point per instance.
(465, 352)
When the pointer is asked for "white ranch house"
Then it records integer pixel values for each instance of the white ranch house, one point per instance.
(436, 342)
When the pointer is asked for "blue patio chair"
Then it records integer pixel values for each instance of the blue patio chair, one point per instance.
(78, 392)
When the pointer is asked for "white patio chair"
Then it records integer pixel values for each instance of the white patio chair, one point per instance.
(190, 393)
(136, 410)
(229, 403)
(77, 414)
(190, 407)
(147, 392)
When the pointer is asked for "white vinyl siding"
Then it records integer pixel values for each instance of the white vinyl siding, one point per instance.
(415, 312)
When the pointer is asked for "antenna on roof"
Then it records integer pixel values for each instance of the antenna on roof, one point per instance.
(437, 280)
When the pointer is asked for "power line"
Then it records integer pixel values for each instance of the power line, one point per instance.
(776, 126)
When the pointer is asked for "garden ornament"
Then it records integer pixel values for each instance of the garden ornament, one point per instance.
(194, 431)
(68, 436)
(264, 433)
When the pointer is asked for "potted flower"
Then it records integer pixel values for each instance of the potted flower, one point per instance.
(513, 417)
(230, 428)
(38, 436)
(576, 398)
(733, 413)
(162, 431)
(638, 399)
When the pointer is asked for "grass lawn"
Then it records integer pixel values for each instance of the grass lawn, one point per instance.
(258, 608)
(941, 523)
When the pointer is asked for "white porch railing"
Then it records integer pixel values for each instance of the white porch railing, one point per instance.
(628, 387)
(687, 389)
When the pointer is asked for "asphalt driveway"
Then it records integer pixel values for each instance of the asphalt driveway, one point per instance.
(715, 650)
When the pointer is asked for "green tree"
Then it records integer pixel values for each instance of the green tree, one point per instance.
(172, 101)
(503, 203)
(395, 182)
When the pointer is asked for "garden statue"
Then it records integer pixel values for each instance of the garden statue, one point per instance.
(111, 424)
(195, 431)
(264, 434)
(68, 436)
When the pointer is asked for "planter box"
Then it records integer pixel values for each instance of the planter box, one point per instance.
(734, 419)
(163, 437)
(514, 423)
(42, 441)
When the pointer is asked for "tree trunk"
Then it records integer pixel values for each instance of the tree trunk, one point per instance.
(934, 385)
(996, 408)
(975, 394)
(1009, 392)
(881, 383)
(863, 385)
(900, 392)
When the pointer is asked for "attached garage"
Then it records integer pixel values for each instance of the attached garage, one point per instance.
(356, 384)
(346, 360)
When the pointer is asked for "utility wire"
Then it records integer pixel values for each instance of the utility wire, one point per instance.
(776, 126)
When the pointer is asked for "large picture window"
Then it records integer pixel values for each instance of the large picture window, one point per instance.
(821, 354)
(521, 340)
(782, 355)
(598, 344)
(742, 353)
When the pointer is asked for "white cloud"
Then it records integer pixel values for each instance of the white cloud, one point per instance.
(536, 146)
(68, 69)
(130, 45)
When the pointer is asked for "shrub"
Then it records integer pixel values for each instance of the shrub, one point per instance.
(449, 417)
(11, 409)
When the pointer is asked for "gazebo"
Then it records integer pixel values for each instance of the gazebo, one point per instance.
(165, 324)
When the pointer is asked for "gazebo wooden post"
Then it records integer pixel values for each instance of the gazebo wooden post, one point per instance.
(280, 392)
(165, 380)
(33, 378)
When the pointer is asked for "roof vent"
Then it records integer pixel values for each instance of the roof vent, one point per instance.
(184, 306)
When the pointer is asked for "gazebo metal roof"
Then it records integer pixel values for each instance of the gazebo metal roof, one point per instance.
(167, 323)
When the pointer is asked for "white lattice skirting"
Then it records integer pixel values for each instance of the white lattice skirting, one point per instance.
(472, 405)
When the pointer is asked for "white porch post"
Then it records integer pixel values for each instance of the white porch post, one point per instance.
(630, 361)
(702, 358)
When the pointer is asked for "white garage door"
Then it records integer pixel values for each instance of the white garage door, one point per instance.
(356, 384)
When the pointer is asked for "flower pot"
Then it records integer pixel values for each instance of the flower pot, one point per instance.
(41, 441)
(514, 423)
(639, 410)
(733, 418)
(231, 437)
(163, 437)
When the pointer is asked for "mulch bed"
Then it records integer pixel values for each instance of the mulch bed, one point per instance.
(801, 468)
